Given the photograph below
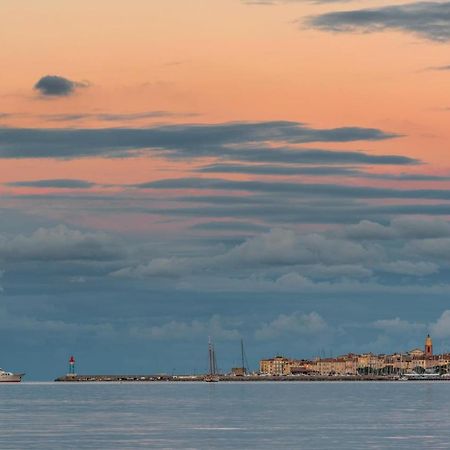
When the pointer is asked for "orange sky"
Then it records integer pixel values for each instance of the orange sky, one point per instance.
(216, 61)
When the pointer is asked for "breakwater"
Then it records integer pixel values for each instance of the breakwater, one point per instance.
(222, 378)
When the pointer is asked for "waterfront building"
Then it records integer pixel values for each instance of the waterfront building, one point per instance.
(286, 366)
(275, 366)
(369, 363)
(302, 367)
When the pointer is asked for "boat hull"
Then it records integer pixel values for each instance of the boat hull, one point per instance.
(13, 378)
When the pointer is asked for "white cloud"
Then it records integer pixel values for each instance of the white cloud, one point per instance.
(409, 268)
(59, 244)
(176, 330)
(399, 228)
(22, 324)
(420, 228)
(277, 248)
(337, 271)
(284, 247)
(367, 230)
(295, 282)
(438, 249)
(398, 326)
(331, 261)
(173, 267)
(293, 324)
(441, 328)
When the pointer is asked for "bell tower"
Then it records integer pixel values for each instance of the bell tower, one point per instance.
(428, 347)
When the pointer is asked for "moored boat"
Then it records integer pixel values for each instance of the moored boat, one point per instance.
(9, 377)
(212, 376)
(421, 376)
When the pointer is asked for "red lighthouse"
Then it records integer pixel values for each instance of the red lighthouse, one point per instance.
(71, 365)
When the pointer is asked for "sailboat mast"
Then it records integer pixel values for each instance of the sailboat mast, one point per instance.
(214, 360)
(210, 357)
(242, 355)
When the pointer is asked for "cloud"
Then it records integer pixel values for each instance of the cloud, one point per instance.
(429, 20)
(291, 325)
(229, 226)
(399, 228)
(182, 330)
(278, 209)
(173, 267)
(440, 68)
(292, 155)
(409, 268)
(185, 141)
(59, 244)
(271, 169)
(295, 283)
(398, 326)
(339, 271)
(109, 117)
(268, 208)
(260, 2)
(57, 86)
(441, 328)
(333, 261)
(266, 169)
(276, 248)
(438, 249)
(279, 2)
(284, 247)
(54, 183)
(59, 328)
(420, 228)
(304, 189)
(366, 229)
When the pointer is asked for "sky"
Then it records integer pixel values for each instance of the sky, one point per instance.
(275, 171)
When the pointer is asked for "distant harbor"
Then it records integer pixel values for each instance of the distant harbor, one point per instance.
(416, 364)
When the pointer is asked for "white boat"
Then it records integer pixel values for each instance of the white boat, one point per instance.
(9, 377)
(421, 376)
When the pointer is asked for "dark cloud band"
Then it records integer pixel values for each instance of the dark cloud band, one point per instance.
(326, 190)
(429, 20)
(225, 140)
(55, 183)
(269, 169)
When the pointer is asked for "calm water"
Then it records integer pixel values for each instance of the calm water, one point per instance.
(410, 415)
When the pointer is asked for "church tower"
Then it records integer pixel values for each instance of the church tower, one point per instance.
(428, 347)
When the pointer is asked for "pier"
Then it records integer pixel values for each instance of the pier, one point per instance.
(221, 378)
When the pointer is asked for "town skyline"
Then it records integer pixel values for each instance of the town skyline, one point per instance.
(416, 360)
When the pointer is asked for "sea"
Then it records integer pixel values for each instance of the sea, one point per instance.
(238, 415)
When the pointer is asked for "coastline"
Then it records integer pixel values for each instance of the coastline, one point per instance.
(223, 378)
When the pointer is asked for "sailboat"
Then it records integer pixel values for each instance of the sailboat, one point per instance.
(212, 376)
